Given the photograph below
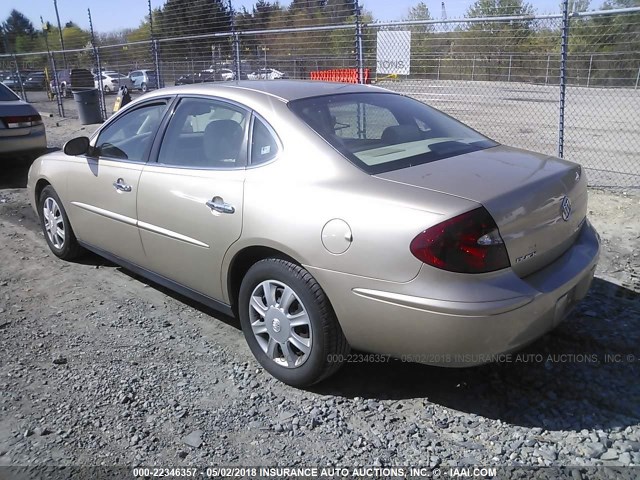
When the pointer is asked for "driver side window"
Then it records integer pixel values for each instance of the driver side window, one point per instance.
(128, 137)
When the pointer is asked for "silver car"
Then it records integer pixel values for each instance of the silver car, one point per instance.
(327, 217)
(143, 80)
(21, 127)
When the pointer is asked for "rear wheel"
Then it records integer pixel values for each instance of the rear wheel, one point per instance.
(56, 227)
(144, 87)
(289, 324)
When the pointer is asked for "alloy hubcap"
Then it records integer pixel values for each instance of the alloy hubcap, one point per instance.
(280, 323)
(53, 222)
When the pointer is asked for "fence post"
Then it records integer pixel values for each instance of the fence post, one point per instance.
(103, 108)
(589, 74)
(473, 68)
(156, 63)
(154, 48)
(59, 100)
(64, 56)
(235, 42)
(509, 76)
(546, 78)
(563, 74)
(359, 53)
(439, 60)
(54, 72)
(19, 77)
(638, 78)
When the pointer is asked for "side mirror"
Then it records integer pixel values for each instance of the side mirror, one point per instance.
(76, 146)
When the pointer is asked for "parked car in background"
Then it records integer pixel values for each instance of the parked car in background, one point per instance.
(12, 80)
(71, 79)
(204, 76)
(36, 81)
(328, 216)
(143, 80)
(266, 74)
(112, 81)
(21, 127)
(226, 74)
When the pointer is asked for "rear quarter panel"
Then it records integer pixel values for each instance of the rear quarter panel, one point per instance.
(289, 201)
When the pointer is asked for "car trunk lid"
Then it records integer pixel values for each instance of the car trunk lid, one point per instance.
(538, 202)
(17, 118)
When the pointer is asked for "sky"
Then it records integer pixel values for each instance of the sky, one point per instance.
(117, 14)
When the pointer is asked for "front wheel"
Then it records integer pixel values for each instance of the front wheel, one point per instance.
(289, 323)
(56, 227)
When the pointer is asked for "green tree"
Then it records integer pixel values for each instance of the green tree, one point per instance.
(16, 29)
(492, 46)
(190, 18)
(179, 18)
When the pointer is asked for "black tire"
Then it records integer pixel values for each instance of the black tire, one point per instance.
(69, 248)
(143, 87)
(328, 346)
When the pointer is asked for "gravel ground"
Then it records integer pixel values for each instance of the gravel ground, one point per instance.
(100, 367)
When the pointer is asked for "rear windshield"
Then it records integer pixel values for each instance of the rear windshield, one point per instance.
(6, 95)
(381, 132)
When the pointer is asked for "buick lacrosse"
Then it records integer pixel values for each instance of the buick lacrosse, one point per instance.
(326, 217)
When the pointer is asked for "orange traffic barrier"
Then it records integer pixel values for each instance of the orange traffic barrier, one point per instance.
(344, 75)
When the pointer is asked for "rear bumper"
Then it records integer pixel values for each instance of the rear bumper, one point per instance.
(32, 142)
(460, 330)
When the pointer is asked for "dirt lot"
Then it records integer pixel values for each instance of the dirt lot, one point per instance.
(99, 367)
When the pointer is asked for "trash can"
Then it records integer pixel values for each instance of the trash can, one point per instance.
(88, 105)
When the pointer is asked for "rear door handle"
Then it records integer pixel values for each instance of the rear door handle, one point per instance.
(121, 186)
(219, 205)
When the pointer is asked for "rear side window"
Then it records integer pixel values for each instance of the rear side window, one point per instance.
(264, 146)
(381, 132)
(205, 134)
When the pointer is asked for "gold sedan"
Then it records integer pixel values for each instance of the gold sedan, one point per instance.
(327, 217)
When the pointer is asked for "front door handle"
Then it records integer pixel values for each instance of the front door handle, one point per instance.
(219, 205)
(121, 186)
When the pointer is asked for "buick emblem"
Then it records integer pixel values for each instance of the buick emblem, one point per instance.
(276, 325)
(565, 208)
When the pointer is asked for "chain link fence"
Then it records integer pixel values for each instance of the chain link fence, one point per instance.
(502, 75)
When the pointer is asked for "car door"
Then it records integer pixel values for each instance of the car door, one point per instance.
(135, 78)
(190, 199)
(102, 187)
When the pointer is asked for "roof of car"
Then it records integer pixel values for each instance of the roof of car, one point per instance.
(286, 90)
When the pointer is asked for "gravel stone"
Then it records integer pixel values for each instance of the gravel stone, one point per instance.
(610, 454)
(194, 439)
(59, 360)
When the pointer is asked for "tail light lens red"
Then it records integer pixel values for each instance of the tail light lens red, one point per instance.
(468, 243)
(22, 121)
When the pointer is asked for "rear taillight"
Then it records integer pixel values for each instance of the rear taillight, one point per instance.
(468, 243)
(22, 121)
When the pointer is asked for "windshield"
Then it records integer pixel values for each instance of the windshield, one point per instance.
(380, 132)
(6, 95)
